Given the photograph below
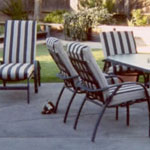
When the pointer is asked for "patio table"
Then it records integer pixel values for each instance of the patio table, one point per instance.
(140, 62)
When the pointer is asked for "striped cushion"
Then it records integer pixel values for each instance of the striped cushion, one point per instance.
(118, 42)
(50, 43)
(19, 44)
(56, 46)
(16, 71)
(120, 69)
(83, 52)
(128, 93)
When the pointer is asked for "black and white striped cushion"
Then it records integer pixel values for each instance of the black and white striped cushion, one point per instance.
(50, 43)
(129, 92)
(83, 53)
(125, 93)
(20, 41)
(120, 69)
(16, 71)
(55, 45)
(118, 42)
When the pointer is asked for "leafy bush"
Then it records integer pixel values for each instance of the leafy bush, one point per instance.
(14, 9)
(78, 25)
(109, 5)
(90, 3)
(55, 16)
(137, 18)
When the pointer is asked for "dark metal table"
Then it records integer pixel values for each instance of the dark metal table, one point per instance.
(140, 62)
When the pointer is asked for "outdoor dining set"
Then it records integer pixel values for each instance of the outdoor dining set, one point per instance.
(79, 70)
(81, 74)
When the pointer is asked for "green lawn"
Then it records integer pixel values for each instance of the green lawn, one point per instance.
(49, 68)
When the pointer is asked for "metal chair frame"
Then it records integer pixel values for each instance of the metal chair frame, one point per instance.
(34, 75)
(94, 93)
(68, 83)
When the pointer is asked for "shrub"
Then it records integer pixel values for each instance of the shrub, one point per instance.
(90, 3)
(137, 18)
(78, 25)
(109, 5)
(14, 9)
(55, 16)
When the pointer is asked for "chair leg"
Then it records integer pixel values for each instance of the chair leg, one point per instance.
(137, 78)
(98, 122)
(4, 83)
(68, 107)
(28, 91)
(78, 114)
(35, 82)
(117, 115)
(58, 99)
(128, 115)
(39, 74)
(148, 103)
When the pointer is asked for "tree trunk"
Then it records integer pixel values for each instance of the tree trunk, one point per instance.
(37, 9)
(127, 8)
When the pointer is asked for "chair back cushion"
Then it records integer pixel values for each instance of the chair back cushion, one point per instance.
(86, 66)
(118, 42)
(60, 57)
(20, 41)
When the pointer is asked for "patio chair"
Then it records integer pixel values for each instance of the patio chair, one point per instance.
(97, 89)
(117, 43)
(19, 56)
(67, 72)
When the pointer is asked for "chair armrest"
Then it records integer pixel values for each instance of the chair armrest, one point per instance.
(112, 76)
(59, 75)
(119, 85)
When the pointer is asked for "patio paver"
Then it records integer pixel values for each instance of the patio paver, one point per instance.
(22, 126)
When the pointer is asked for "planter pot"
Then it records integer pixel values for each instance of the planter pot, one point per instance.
(129, 78)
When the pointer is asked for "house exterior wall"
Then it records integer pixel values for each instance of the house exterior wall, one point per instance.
(50, 5)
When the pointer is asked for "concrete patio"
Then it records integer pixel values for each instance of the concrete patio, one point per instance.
(23, 127)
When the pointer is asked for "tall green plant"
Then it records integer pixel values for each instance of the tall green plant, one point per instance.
(55, 16)
(90, 3)
(109, 5)
(137, 18)
(14, 9)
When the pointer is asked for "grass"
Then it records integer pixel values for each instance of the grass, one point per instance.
(48, 66)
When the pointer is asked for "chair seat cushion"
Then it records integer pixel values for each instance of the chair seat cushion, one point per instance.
(129, 92)
(16, 71)
(121, 69)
